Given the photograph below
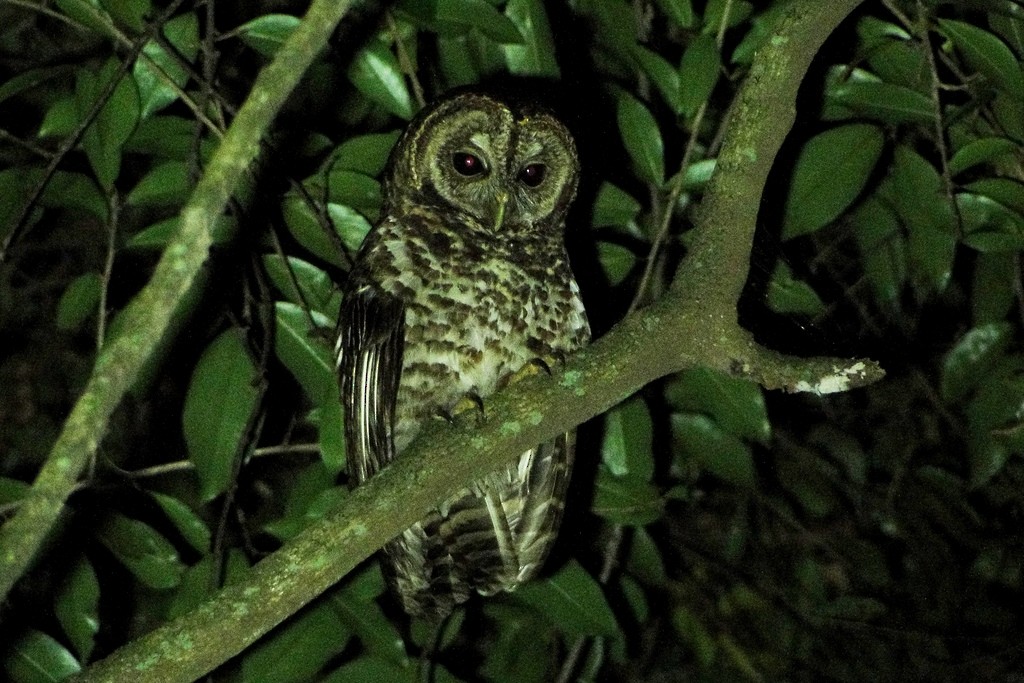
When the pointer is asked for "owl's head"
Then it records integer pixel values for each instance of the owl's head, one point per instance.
(508, 169)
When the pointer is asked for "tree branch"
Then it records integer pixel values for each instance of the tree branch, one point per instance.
(694, 323)
(147, 317)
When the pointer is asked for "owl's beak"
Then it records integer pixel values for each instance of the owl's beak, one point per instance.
(499, 210)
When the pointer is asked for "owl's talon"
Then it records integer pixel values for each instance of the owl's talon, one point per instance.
(532, 367)
(468, 403)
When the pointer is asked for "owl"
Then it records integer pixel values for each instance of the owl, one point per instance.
(462, 284)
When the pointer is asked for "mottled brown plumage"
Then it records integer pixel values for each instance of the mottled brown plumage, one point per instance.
(463, 282)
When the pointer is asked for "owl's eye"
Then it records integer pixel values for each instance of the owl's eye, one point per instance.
(466, 164)
(532, 175)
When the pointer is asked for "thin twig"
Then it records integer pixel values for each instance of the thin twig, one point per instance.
(404, 62)
(669, 209)
(114, 209)
(35, 149)
(940, 128)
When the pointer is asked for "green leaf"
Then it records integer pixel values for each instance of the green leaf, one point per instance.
(168, 137)
(1009, 24)
(1006, 191)
(626, 448)
(831, 171)
(616, 261)
(739, 10)
(988, 226)
(698, 175)
(699, 69)
(142, 550)
(167, 184)
(636, 599)
(79, 302)
(60, 118)
(899, 59)
(157, 71)
(702, 441)
(375, 631)
(679, 11)
(77, 607)
(365, 584)
(365, 154)
(89, 14)
(306, 226)
(350, 225)
(299, 649)
(764, 24)
(613, 24)
(29, 79)
(1009, 114)
(480, 15)
(35, 657)
(992, 295)
(222, 400)
(75, 192)
(369, 669)
(645, 560)
(130, 13)
(883, 249)
(115, 122)
(359, 191)
(615, 207)
(626, 500)
(266, 34)
(642, 139)
(15, 184)
(535, 56)
(807, 485)
(982, 151)
(309, 485)
(788, 295)
(700, 643)
(458, 61)
(915, 189)
(994, 417)
(523, 647)
(987, 54)
(332, 433)
(202, 580)
(376, 73)
(315, 287)
(189, 525)
(968, 361)
(664, 76)
(304, 352)
(737, 405)
(884, 102)
(573, 602)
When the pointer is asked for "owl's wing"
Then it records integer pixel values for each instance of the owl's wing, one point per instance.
(371, 330)
(499, 534)
(535, 499)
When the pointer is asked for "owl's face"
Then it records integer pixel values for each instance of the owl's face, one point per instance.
(509, 171)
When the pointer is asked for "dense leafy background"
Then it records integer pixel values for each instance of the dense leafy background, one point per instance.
(715, 532)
